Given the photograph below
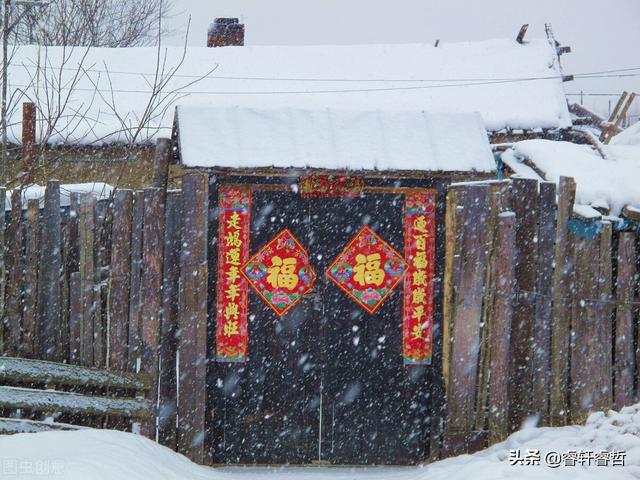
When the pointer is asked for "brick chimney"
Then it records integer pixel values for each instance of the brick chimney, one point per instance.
(225, 32)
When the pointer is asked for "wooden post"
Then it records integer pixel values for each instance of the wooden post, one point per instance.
(86, 232)
(13, 312)
(524, 201)
(625, 295)
(170, 311)
(453, 232)
(120, 280)
(31, 339)
(193, 316)
(161, 163)
(28, 161)
(136, 268)
(3, 272)
(541, 370)
(504, 285)
(561, 311)
(49, 279)
(466, 329)
(151, 291)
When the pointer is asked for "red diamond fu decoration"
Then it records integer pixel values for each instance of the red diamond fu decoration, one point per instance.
(280, 272)
(367, 270)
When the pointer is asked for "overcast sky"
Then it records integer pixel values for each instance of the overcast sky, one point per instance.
(603, 34)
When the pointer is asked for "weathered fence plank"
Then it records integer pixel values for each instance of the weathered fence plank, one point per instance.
(584, 328)
(504, 287)
(170, 301)
(120, 280)
(101, 259)
(193, 316)
(625, 295)
(75, 317)
(541, 369)
(484, 363)
(49, 302)
(14, 260)
(601, 356)
(524, 202)
(561, 312)
(86, 228)
(136, 269)
(73, 226)
(151, 290)
(31, 338)
(466, 329)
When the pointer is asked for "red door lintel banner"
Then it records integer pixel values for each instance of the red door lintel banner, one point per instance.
(280, 272)
(331, 186)
(419, 249)
(232, 290)
(368, 269)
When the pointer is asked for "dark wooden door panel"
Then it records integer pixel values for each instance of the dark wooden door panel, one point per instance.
(267, 411)
(374, 408)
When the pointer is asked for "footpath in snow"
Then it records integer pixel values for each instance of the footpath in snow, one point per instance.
(104, 454)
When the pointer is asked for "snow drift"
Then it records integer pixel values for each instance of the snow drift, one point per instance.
(110, 455)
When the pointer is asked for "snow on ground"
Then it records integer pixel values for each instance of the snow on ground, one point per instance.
(629, 136)
(110, 455)
(106, 92)
(611, 182)
(334, 139)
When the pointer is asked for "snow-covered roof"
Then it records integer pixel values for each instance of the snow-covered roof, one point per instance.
(332, 139)
(99, 190)
(610, 183)
(105, 93)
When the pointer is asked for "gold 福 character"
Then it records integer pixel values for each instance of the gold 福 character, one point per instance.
(367, 270)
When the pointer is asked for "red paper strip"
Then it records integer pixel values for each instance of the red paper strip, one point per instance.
(419, 250)
(368, 269)
(280, 272)
(327, 186)
(232, 291)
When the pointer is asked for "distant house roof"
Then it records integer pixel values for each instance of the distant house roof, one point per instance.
(241, 137)
(510, 84)
(606, 183)
(99, 190)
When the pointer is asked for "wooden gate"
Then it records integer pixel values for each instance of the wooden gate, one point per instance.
(326, 381)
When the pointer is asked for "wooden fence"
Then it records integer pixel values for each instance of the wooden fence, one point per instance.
(540, 311)
(118, 283)
(539, 307)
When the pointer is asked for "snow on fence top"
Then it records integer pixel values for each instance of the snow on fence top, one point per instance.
(610, 183)
(99, 190)
(106, 94)
(332, 139)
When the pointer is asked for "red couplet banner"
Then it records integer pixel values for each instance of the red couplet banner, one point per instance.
(232, 290)
(419, 249)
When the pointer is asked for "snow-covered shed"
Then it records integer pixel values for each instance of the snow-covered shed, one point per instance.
(324, 188)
